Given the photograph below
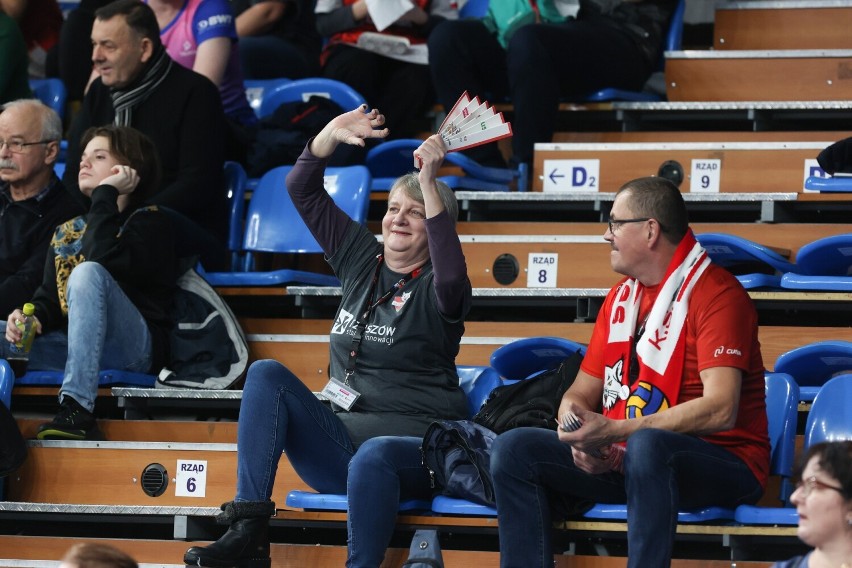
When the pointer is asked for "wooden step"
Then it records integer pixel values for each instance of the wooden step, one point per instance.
(706, 168)
(811, 24)
(172, 431)
(110, 473)
(170, 553)
(785, 238)
(700, 136)
(759, 75)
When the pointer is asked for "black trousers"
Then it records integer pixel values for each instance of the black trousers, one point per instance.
(544, 63)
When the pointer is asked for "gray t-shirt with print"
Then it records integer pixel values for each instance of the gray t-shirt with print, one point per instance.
(405, 369)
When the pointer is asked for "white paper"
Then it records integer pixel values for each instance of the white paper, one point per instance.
(386, 12)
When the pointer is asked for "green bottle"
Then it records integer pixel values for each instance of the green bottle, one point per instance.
(21, 351)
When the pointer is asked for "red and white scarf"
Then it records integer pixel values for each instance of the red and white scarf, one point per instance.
(660, 349)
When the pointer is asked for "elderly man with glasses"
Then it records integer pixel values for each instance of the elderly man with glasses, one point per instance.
(668, 409)
(32, 199)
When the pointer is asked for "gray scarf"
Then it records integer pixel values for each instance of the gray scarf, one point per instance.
(124, 101)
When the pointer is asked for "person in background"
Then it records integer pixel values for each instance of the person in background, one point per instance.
(398, 84)
(109, 281)
(393, 346)
(668, 410)
(278, 38)
(74, 52)
(95, 555)
(823, 500)
(32, 199)
(535, 55)
(40, 22)
(14, 79)
(179, 110)
(200, 35)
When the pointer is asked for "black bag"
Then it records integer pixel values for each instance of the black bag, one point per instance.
(208, 347)
(281, 136)
(530, 402)
(457, 454)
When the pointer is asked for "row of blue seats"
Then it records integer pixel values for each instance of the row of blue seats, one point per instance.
(830, 418)
(824, 264)
(272, 225)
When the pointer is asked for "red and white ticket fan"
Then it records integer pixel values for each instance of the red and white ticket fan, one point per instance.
(471, 123)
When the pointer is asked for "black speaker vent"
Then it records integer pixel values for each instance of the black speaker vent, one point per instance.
(155, 479)
(505, 269)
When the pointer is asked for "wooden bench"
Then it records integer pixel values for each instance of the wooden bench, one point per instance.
(704, 137)
(737, 167)
(760, 75)
(813, 24)
(588, 206)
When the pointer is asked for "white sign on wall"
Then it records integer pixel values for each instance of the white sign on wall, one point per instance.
(191, 478)
(542, 270)
(572, 175)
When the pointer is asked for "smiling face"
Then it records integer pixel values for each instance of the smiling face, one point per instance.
(404, 229)
(118, 53)
(824, 515)
(95, 164)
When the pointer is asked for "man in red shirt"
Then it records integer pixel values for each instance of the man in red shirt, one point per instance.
(668, 410)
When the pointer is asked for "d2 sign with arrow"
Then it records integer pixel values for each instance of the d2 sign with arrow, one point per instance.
(572, 175)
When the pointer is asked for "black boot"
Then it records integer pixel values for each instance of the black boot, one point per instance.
(245, 545)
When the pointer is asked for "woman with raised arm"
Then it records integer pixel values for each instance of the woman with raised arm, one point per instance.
(393, 346)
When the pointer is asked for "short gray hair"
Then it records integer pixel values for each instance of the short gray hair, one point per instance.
(51, 124)
(410, 184)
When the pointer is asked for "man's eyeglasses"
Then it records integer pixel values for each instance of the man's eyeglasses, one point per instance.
(614, 224)
(806, 486)
(17, 146)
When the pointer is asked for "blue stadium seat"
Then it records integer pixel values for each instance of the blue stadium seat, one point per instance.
(837, 184)
(389, 160)
(824, 264)
(256, 89)
(673, 43)
(476, 381)
(235, 187)
(7, 381)
(734, 252)
(273, 225)
(301, 89)
(107, 377)
(813, 364)
(51, 92)
(830, 416)
(782, 404)
(829, 419)
(473, 9)
(524, 357)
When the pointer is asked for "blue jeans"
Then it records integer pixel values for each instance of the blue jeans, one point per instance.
(384, 471)
(105, 331)
(316, 442)
(664, 471)
(276, 402)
